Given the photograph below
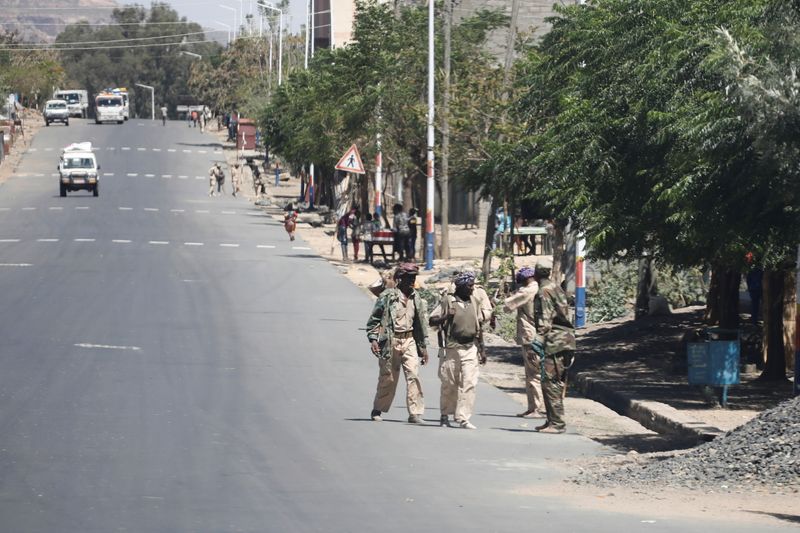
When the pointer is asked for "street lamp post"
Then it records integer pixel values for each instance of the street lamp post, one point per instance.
(223, 6)
(429, 228)
(280, 37)
(190, 54)
(152, 99)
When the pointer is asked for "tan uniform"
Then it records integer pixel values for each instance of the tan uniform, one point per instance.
(236, 179)
(522, 302)
(458, 359)
(404, 354)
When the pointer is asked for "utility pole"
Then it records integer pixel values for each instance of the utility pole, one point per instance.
(429, 232)
(444, 250)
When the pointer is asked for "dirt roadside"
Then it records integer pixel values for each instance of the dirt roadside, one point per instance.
(32, 123)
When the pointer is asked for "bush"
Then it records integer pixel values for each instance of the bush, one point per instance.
(611, 294)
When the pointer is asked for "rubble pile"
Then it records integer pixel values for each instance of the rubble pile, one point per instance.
(764, 452)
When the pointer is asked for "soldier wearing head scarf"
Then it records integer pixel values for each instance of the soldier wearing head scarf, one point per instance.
(522, 302)
(555, 344)
(460, 315)
(397, 331)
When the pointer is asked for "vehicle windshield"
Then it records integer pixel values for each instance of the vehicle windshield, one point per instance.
(78, 162)
(57, 105)
(70, 98)
(109, 102)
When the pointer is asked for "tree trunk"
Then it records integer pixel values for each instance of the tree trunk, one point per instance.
(722, 306)
(489, 241)
(774, 297)
(559, 248)
(444, 248)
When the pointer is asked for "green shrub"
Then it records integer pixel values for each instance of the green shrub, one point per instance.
(610, 295)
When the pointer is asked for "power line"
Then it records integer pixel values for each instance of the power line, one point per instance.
(97, 8)
(87, 23)
(116, 47)
(130, 39)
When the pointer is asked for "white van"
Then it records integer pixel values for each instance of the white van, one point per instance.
(109, 108)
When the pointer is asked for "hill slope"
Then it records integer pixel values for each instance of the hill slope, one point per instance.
(42, 20)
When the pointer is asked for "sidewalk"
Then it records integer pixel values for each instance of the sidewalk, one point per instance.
(625, 365)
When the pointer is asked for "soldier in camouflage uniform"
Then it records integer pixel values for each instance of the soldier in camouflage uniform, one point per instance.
(460, 315)
(397, 331)
(555, 344)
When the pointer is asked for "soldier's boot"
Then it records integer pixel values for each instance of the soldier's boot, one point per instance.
(375, 415)
(466, 424)
(444, 421)
(414, 419)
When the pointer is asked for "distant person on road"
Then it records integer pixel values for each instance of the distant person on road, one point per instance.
(194, 118)
(201, 118)
(163, 115)
(522, 302)
(413, 222)
(554, 344)
(216, 177)
(259, 187)
(401, 232)
(236, 178)
(397, 330)
(460, 316)
(355, 232)
(290, 221)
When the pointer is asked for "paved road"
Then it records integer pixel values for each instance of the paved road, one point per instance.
(171, 362)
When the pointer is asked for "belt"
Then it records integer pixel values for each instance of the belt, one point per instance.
(404, 334)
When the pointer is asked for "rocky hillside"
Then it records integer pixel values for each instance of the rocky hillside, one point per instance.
(42, 20)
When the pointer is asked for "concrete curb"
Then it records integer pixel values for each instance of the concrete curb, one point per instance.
(655, 416)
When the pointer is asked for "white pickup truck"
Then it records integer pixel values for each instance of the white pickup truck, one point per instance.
(56, 111)
(77, 101)
(78, 169)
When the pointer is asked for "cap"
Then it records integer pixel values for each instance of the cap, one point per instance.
(544, 265)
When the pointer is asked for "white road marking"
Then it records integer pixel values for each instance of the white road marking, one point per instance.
(229, 245)
(182, 177)
(187, 151)
(4, 208)
(22, 175)
(82, 207)
(151, 209)
(202, 151)
(53, 174)
(56, 208)
(126, 209)
(38, 175)
(139, 124)
(166, 175)
(108, 173)
(171, 150)
(193, 244)
(84, 240)
(9, 240)
(229, 212)
(255, 214)
(156, 149)
(107, 347)
(121, 241)
(300, 248)
(110, 148)
(48, 149)
(140, 149)
(199, 178)
(269, 246)
(15, 265)
(149, 175)
(202, 211)
(32, 149)
(158, 242)
(177, 210)
(126, 147)
(29, 209)
(46, 240)
(132, 174)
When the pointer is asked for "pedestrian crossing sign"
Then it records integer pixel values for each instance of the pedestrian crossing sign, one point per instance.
(351, 161)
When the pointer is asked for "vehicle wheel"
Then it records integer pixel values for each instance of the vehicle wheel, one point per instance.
(62, 190)
(96, 121)
(96, 190)
(120, 121)
(46, 122)
(66, 123)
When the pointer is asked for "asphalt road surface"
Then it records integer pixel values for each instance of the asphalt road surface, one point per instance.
(171, 362)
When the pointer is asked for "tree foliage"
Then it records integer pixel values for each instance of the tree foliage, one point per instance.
(30, 74)
(162, 67)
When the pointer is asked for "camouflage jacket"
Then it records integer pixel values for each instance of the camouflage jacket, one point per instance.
(381, 321)
(554, 328)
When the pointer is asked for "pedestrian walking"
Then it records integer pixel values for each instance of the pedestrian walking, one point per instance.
(460, 316)
(341, 233)
(522, 302)
(259, 188)
(194, 118)
(201, 118)
(355, 232)
(163, 115)
(216, 177)
(397, 330)
(290, 221)
(554, 343)
(236, 178)
(401, 232)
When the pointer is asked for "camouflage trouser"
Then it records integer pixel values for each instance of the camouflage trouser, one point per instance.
(553, 374)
